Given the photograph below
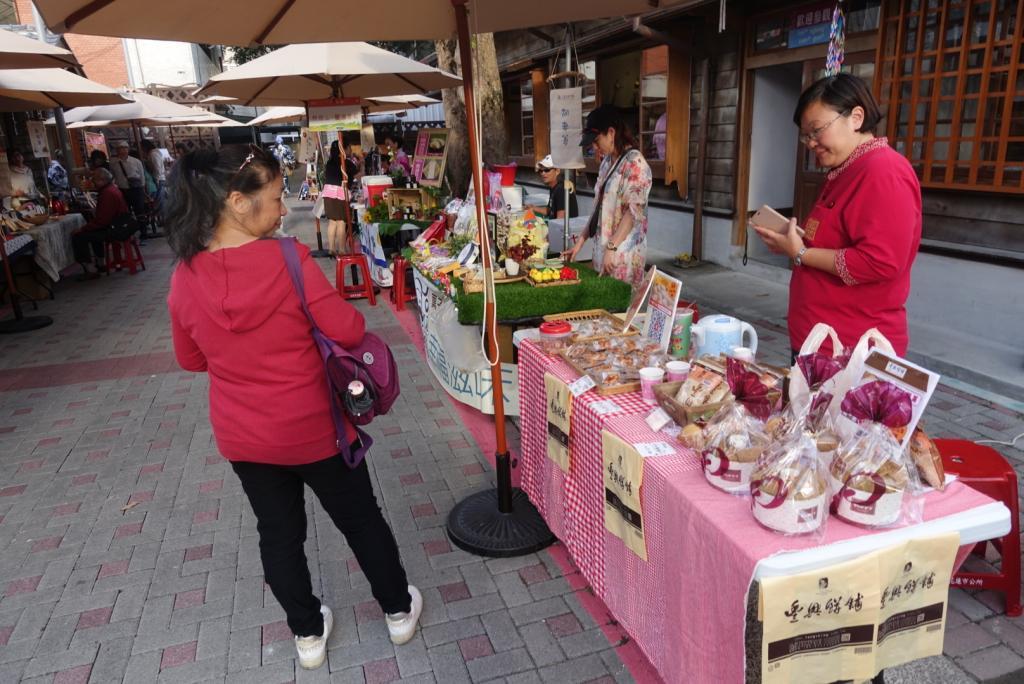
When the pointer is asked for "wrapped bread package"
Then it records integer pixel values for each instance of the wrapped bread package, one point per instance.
(789, 486)
(735, 437)
(873, 480)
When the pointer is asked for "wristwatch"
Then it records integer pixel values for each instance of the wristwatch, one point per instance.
(610, 247)
(798, 259)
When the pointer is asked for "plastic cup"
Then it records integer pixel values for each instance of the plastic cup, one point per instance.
(677, 370)
(649, 377)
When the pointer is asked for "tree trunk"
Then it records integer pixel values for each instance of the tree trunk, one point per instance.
(490, 105)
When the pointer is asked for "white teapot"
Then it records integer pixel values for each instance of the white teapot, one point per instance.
(714, 335)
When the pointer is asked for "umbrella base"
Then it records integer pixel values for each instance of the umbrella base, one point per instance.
(478, 526)
(319, 253)
(26, 324)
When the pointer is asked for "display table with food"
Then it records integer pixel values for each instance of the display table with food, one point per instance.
(675, 565)
(53, 243)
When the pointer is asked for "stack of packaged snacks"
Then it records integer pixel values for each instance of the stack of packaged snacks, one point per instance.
(614, 363)
(874, 481)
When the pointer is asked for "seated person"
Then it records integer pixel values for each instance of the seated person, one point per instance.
(110, 205)
(556, 193)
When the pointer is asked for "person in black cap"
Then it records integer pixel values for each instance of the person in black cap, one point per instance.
(556, 195)
(618, 221)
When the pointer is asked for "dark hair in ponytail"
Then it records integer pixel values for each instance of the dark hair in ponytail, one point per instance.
(200, 184)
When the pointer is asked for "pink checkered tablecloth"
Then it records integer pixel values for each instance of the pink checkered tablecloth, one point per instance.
(571, 503)
(686, 605)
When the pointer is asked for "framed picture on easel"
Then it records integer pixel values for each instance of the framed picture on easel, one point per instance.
(431, 156)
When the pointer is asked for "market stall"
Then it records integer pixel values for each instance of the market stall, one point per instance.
(690, 553)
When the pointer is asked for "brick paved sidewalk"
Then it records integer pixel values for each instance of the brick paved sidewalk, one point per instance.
(128, 552)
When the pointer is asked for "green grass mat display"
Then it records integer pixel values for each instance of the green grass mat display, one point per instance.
(517, 301)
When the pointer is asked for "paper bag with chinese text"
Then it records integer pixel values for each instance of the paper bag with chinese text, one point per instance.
(623, 477)
(559, 402)
(914, 577)
(819, 626)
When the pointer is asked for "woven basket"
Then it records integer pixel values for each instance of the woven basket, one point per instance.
(665, 393)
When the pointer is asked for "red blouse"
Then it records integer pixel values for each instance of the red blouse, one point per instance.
(869, 211)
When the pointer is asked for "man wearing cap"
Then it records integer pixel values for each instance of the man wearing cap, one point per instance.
(556, 197)
(130, 178)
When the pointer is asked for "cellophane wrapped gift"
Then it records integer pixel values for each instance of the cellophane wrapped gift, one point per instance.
(873, 480)
(789, 486)
(735, 437)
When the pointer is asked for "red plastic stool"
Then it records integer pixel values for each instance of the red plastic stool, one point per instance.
(124, 254)
(354, 291)
(402, 290)
(985, 469)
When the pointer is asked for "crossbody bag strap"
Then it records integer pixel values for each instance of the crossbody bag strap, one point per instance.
(599, 199)
(291, 260)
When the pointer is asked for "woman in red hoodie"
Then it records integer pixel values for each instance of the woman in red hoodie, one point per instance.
(235, 316)
(853, 257)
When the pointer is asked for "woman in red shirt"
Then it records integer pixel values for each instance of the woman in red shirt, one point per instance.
(851, 266)
(236, 316)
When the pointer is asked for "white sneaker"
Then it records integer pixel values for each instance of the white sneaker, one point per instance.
(313, 649)
(402, 626)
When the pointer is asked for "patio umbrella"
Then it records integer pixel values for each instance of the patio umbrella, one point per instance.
(317, 71)
(238, 22)
(276, 115)
(142, 109)
(49, 88)
(499, 522)
(19, 52)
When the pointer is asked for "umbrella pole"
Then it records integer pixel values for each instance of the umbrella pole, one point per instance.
(495, 522)
(19, 323)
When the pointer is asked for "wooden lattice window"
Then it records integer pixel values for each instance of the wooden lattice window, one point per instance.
(951, 81)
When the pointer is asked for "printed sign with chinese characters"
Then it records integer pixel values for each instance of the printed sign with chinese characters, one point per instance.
(335, 115)
(661, 309)
(559, 403)
(37, 137)
(623, 478)
(915, 580)
(567, 127)
(819, 626)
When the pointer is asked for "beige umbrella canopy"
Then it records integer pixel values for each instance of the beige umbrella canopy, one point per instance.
(316, 71)
(19, 52)
(142, 109)
(231, 22)
(48, 88)
(397, 103)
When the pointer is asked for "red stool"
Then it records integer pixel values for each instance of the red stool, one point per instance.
(354, 291)
(124, 254)
(402, 290)
(985, 469)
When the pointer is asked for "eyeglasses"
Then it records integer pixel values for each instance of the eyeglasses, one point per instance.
(542, 169)
(806, 138)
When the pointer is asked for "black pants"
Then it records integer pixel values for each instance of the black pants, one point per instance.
(91, 240)
(277, 497)
(136, 199)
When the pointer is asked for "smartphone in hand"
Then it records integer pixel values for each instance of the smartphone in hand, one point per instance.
(772, 220)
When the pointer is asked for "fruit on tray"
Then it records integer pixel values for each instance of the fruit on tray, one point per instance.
(546, 275)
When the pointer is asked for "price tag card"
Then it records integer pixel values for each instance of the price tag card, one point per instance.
(658, 419)
(671, 430)
(581, 385)
(604, 407)
(647, 449)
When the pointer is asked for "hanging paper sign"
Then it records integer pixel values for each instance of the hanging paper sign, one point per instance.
(661, 309)
(335, 115)
(819, 626)
(623, 478)
(93, 142)
(567, 127)
(559, 402)
(37, 137)
(915, 579)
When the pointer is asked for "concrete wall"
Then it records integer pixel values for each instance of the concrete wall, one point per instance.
(161, 62)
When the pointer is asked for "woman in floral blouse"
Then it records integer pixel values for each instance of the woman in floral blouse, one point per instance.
(619, 218)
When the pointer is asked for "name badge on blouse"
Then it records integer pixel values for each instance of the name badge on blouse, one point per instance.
(811, 228)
